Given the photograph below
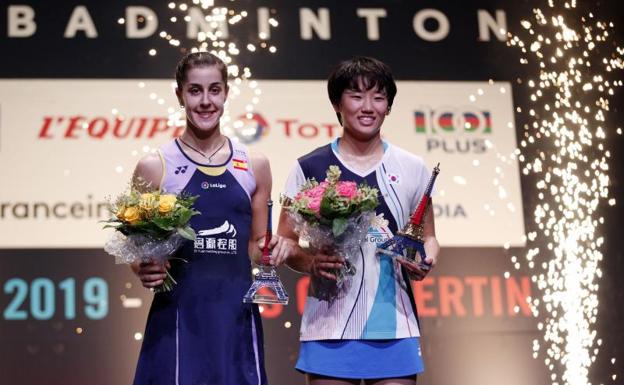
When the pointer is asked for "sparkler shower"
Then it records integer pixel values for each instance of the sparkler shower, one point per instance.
(564, 146)
(211, 25)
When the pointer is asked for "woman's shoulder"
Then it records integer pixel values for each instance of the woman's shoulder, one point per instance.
(149, 170)
(404, 156)
(319, 153)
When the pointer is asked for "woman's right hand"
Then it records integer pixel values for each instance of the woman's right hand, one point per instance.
(320, 265)
(326, 266)
(152, 274)
(281, 249)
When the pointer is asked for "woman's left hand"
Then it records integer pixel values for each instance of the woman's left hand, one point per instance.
(414, 269)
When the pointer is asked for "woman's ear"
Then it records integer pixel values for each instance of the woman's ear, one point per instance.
(337, 110)
(178, 93)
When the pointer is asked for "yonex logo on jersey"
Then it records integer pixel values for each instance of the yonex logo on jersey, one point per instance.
(207, 185)
(180, 170)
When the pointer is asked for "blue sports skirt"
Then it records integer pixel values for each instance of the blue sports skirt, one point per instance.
(361, 358)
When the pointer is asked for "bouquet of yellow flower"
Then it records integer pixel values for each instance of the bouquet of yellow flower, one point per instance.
(149, 226)
(333, 216)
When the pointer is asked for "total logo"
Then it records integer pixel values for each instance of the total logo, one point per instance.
(249, 128)
(252, 127)
(461, 130)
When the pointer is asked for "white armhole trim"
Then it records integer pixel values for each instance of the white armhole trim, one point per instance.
(295, 180)
(164, 170)
(251, 163)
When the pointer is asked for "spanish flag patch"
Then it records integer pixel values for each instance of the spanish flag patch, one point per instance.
(240, 164)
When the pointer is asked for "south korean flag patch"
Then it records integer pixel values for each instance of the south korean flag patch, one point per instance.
(394, 178)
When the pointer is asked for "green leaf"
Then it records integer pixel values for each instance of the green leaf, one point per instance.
(187, 232)
(185, 217)
(327, 210)
(163, 223)
(339, 225)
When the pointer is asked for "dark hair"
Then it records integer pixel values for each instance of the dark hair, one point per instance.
(372, 72)
(198, 59)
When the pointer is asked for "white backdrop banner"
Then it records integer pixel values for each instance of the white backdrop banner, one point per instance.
(68, 145)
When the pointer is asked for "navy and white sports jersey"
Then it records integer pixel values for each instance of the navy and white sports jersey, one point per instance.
(375, 303)
(201, 332)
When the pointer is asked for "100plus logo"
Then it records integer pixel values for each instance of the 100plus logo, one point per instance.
(454, 130)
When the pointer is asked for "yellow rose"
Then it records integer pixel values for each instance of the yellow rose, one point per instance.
(167, 203)
(147, 201)
(132, 215)
(120, 212)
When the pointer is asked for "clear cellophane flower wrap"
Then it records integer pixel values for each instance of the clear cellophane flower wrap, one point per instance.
(138, 247)
(333, 217)
(321, 238)
(142, 247)
(149, 226)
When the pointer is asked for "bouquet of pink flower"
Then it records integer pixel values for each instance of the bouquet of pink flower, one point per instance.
(333, 202)
(333, 216)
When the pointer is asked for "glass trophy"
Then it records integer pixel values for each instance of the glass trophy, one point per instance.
(267, 287)
(408, 243)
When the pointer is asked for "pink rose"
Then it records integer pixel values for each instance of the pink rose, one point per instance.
(315, 192)
(346, 189)
(314, 204)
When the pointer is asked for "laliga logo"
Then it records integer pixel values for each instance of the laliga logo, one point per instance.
(454, 131)
(447, 120)
(249, 128)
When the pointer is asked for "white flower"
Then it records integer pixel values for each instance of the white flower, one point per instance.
(379, 221)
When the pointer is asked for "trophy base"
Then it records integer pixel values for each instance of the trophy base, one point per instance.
(406, 249)
(269, 281)
(266, 300)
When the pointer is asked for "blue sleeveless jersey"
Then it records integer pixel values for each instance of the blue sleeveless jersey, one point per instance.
(201, 332)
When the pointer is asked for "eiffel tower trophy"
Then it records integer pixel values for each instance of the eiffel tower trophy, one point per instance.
(266, 278)
(409, 241)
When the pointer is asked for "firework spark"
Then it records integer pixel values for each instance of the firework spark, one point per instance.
(564, 147)
(211, 25)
